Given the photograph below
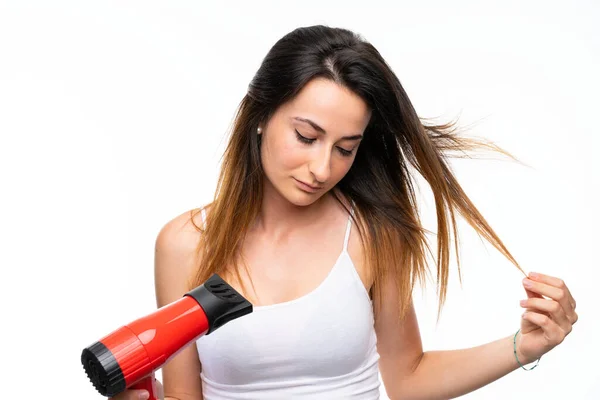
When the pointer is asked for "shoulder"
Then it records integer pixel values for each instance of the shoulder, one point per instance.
(181, 231)
(176, 256)
(356, 249)
(175, 260)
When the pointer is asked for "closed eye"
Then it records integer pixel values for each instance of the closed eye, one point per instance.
(304, 139)
(308, 141)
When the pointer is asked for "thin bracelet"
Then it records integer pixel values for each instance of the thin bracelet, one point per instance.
(515, 351)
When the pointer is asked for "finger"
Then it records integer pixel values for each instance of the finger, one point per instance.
(531, 294)
(140, 394)
(553, 281)
(527, 326)
(552, 331)
(551, 308)
(551, 292)
(130, 394)
(556, 282)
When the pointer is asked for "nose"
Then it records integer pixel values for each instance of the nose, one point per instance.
(320, 164)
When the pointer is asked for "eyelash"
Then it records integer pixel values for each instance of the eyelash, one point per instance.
(305, 140)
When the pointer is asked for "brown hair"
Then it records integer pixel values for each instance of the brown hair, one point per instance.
(379, 182)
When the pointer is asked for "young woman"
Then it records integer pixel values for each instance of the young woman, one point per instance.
(315, 222)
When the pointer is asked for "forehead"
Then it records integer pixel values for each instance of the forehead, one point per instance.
(334, 107)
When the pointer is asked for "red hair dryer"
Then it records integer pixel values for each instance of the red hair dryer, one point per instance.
(128, 357)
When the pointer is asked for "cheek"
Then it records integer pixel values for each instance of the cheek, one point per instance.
(284, 153)
(288, 153)
(344, 167)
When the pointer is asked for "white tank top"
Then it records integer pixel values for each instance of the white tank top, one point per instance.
(319, 346)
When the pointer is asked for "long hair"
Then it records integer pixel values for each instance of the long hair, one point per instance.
(379, 183)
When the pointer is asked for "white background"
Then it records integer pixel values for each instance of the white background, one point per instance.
(113, 116)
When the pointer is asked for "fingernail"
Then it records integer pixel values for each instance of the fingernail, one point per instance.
(527, 282)
(144, 395)
(523, 302)
(533, 274)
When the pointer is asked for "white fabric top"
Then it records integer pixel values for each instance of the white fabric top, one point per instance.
(319, 346)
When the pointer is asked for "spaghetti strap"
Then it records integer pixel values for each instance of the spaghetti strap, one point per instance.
(348, 229)
(204, 218)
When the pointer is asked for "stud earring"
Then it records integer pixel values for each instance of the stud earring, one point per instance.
(259, 130)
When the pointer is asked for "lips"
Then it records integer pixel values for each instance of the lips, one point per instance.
(310, 186)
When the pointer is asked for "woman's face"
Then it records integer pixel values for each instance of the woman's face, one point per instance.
(296, 152)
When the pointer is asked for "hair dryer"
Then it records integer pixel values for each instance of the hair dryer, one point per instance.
(128, 357)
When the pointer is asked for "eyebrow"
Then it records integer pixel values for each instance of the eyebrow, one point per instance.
(321, 130)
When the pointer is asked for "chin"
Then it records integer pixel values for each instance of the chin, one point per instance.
(302, 199)
(297, 196)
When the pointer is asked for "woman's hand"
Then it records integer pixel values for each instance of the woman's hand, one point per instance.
(140, 394)
(547, 321)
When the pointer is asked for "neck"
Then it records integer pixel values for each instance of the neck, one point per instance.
(279, 217)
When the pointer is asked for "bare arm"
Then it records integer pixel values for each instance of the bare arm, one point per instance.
(544, 325)
(452, 373)
(173, 263)
(409, 373)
